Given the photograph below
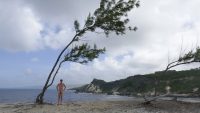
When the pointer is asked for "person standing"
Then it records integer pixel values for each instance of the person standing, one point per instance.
(60, 89)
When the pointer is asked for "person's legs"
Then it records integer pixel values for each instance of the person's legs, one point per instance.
(58, 98)
(61, 97)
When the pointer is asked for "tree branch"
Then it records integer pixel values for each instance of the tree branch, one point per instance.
(55, 74)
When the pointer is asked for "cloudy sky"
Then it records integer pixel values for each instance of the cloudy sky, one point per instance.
(33, 32)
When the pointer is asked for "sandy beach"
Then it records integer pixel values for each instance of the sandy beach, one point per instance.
(130, 106)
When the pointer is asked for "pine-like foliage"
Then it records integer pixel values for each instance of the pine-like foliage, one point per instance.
(192, 56)
(111, 16)
(83, 53)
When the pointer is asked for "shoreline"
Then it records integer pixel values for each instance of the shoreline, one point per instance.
(125, 106)
(192, 100)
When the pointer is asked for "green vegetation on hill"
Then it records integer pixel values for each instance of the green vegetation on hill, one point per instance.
(177, 82)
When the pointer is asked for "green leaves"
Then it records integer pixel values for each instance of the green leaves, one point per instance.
(90, 21)
(76, 26)
(191, 56)
(187, 57)
(197, 55)
(111, 16)
(83, 54)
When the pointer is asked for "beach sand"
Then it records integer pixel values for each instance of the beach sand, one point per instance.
(131, 106)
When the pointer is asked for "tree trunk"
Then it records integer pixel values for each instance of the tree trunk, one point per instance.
(156, 84)
(40, 96)
(39, 99)
(55, 74)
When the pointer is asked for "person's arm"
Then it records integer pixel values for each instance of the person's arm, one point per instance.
(64, 86)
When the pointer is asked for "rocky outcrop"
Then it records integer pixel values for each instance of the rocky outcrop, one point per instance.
(93, 88)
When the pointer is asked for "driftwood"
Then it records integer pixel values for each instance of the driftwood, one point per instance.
(149, 100)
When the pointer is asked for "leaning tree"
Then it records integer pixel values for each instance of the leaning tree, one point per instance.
(193, 56)
(111, 16)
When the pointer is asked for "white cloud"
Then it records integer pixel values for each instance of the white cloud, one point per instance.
(162, 27)
(19, 28)
(57, 40)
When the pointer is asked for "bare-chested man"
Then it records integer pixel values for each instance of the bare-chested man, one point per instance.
(60, 89)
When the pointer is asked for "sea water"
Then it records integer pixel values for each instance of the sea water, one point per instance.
(29, 95)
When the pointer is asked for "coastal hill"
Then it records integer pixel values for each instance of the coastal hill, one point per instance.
(173, 82)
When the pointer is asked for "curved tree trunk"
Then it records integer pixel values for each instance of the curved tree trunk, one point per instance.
(39, 99)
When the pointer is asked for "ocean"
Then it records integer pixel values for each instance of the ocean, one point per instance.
(29, 95)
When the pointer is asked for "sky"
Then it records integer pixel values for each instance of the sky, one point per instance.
(33, 32)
